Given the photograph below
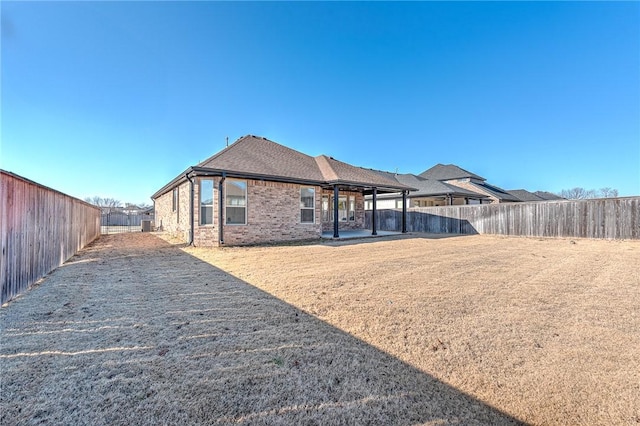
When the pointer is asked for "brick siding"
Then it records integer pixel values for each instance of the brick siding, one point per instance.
(358, 223)
(273, 215)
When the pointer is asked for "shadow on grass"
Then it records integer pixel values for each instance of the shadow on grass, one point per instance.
(155, 336)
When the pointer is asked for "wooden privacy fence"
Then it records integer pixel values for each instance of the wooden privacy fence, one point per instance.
(40, 229)
(609, 218)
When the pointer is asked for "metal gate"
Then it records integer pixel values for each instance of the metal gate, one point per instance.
(115, 222)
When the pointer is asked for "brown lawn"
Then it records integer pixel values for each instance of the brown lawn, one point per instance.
(408, 330)
(547, 330)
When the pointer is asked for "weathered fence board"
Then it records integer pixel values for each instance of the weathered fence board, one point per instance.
(40, 229)
(610, 218)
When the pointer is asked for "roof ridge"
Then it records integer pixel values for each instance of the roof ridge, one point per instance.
(325, 167)
(225, 149)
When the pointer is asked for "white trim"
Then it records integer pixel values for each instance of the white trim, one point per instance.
(246, 202)
(213, 198)
(312, 208)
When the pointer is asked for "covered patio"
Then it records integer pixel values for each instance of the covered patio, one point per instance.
(358, 233)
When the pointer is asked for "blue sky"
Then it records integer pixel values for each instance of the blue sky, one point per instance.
(117, 98)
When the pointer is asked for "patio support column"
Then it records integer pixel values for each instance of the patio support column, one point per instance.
(404, 212)
(373, 215)
(336, 193)
(221, 209)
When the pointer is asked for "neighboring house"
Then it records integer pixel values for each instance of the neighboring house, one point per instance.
(130, 215)
(133, 209)
(547, 196)
(258, 191)
(459, 177)
(525, 196)
(430, 193)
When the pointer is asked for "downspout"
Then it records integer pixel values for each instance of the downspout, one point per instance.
(191, 197)
(220, 209)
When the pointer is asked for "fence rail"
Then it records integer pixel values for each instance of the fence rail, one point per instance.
(40, 228)
(609, 218)
(118, 221)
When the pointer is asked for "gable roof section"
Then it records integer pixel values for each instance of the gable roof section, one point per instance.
(256, 157)
(335, 171)
(524, 195)
(448, 171)
(260, 156)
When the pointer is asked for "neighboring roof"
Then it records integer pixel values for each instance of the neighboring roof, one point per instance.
(259, 158)
(448, 171)
(548, 195)
(431, 187)
(495, 191)
(524, 195)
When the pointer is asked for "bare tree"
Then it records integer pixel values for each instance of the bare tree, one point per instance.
(607, 192)
(106, 203)
(577, 193)
(581, 193)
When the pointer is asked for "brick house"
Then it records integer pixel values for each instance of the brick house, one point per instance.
(429, 193)
(258, 191)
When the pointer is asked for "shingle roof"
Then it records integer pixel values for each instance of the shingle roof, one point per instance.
(431, 187)
(524, 195)
(340, 172)
(448, 171)
(257, 156)
(496, 191)
(548, 195)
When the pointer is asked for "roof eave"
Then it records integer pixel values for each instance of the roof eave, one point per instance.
(370, 185)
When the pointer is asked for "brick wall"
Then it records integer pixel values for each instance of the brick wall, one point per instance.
(358, 223)
(176, 223)
(273, 215)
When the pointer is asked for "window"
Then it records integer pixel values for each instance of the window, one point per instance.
(352, 208)
(236, 202)
(326, 212)
(174, 203)
(206, 202)
(307, 205)
(342, 209)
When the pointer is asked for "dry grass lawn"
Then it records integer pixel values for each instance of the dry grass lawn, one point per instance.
(547, 330)
(408, 330)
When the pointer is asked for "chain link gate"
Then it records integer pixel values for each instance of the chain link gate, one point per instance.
(115, 222)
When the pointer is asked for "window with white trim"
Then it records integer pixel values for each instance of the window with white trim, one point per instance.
(236, 201)
(352, 208)
(342, 208)
(206, 201)
(307, 205)
(326, 212)
(174, 201)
